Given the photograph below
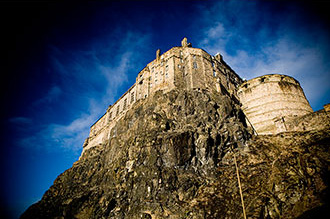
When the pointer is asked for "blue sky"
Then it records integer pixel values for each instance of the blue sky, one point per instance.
(66, 62)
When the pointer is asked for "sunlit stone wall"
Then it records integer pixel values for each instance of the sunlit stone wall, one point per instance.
(181, 67)
(269, 100)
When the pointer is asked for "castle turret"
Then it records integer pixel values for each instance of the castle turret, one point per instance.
(268, 101)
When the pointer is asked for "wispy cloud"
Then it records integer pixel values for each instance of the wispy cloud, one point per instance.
(51, 96)
(253, 47)
(20, 120)
(87, 82)
(52, 137)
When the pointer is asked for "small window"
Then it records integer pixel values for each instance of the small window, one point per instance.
(166, 75)
(132, 97)
(194, 65)
(125, 104)
(214, 73)
(181, 60)
(166, 68)
(117, 113)
(179, 66)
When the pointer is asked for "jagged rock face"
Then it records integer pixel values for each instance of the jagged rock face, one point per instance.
(172, 156)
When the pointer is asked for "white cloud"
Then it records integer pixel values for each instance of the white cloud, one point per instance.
(285, 57)
(53, 136)
(81, 74)
(71, 136)
(282, 49)
(115, 76)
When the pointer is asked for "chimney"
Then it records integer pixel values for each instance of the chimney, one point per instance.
(218, 57)
(157, 54)
(184, 42)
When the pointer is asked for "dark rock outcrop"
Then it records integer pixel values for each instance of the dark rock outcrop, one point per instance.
(173, 156)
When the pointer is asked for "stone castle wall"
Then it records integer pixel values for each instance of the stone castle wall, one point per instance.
(271, 103)
(99, 131)
(180, 67)
(266, 100)
(309, 122)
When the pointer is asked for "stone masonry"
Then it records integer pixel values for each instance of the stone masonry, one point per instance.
(177, 145)
(184, 67)
(269, 102)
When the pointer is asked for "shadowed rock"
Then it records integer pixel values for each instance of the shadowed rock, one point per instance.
(173, 157)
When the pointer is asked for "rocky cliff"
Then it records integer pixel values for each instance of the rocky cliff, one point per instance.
(173, 155)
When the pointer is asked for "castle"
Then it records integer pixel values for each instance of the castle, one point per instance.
(271, 103)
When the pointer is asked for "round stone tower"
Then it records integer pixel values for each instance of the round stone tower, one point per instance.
(270, 100)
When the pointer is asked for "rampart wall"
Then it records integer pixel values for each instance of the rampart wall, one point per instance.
(312, 121)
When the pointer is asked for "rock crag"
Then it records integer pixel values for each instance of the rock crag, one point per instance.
(173, 156)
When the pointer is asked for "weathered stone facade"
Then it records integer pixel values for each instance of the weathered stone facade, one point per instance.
(269, 100)
(173, 157)
(180, 67)
(177, 145)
